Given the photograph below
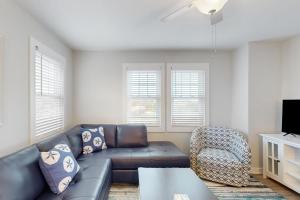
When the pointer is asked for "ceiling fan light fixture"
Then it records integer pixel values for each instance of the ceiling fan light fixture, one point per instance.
(209, 7)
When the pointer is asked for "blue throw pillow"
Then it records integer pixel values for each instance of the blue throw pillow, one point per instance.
(58, 166)
(93, 139)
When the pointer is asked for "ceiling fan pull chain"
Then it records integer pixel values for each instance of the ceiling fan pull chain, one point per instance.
(213, 32)
(215, 38)
(212, 39)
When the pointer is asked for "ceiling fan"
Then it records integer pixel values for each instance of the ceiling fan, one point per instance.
(208, 7)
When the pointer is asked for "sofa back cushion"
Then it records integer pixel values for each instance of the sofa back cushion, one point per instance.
(74, 136)
(109, 133)
(131, 136)
(48, 144)
(20, 175)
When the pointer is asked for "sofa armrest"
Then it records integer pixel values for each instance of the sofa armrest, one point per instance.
(196, 144)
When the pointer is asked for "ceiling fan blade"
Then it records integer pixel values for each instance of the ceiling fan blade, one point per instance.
(177, 12)
(216, 18)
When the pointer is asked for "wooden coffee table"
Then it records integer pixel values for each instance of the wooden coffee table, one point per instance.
(165, 183)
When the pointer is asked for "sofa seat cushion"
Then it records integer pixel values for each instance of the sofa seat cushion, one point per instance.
(93, 168)
(157, 154)
(218, 159)
(89, 184)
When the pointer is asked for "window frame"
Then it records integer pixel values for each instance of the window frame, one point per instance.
(185, 66)
(145, 67)
(52, 54)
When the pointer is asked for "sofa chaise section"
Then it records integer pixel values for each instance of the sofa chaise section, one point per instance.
(129, 149)
(126, 161)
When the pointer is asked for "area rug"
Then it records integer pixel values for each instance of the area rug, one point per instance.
(255, 191)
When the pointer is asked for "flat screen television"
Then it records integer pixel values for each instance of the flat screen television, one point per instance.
(291, 117)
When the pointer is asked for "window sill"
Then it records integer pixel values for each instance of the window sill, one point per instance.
(172, 130)
(38, 138)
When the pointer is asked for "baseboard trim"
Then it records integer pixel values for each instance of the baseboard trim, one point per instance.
(256, 170)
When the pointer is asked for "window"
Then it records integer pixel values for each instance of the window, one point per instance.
(187, 96)
(144, 95)
(47, 91)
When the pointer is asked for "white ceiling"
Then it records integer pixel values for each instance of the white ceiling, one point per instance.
(135, 24)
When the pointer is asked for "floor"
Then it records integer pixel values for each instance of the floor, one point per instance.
(131, 190)
(277, 187)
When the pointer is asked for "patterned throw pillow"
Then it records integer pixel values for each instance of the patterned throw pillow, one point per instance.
(59, 167)
(93, 139)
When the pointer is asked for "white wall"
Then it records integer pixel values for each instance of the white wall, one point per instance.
(17, 26)
(256, 89)
(240, 86)
(98, 86)
(264, 94)
(291, 68)
(274, 75)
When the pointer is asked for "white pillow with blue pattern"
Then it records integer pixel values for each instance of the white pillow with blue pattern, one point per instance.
(93, 139)
(59, 167)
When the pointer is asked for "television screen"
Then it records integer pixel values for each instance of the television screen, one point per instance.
(291, 116)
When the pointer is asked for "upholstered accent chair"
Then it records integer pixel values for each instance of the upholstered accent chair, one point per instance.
(221, 155)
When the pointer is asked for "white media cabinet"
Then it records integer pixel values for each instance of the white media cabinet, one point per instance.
(281, 159)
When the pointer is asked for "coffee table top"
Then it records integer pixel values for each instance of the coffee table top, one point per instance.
(164, 183)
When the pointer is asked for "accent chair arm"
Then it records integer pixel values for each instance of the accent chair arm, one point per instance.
(197, 142)
(240, 148)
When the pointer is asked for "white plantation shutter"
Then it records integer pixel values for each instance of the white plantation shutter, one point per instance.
(144, 99)
(48, 95)
(188, 97)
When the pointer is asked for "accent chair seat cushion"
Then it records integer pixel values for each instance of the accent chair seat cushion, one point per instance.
(218, 159)
(221, 166)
